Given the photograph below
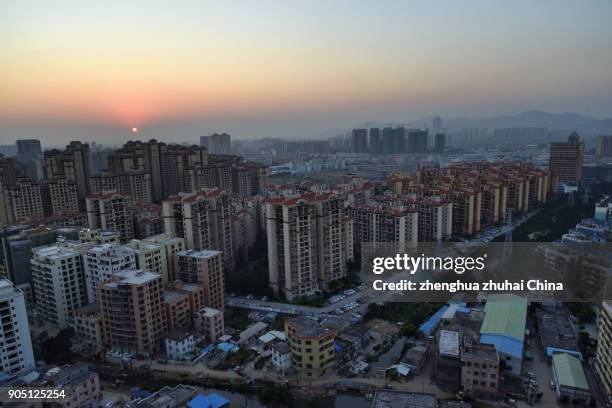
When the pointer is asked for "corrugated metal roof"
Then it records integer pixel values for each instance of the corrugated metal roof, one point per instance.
(430, 325)
(505, 315)
(569, 371)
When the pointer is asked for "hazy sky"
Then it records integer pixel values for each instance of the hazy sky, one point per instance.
(91, 70)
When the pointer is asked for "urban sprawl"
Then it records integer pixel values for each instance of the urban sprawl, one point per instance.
(224, 273)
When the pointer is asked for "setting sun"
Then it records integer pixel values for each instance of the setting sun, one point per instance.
(134, 130)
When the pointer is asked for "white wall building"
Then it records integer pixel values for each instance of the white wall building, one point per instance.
(178, 344)
(16, 353)
(281, 357)
(59, 281)
(102, 261)
(150, 257)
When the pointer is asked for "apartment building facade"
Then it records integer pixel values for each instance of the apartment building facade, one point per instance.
(131, 306)
(111, 211)
(205, 268)
(16, 354)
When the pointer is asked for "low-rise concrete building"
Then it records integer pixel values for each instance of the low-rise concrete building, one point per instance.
(87, 325)
(209, 322)
(311, 345)
(480, 370)
(81, 386)
(178, 344)
(281, 357)
(570, 380)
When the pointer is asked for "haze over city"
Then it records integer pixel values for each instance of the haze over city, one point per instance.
(74, 70)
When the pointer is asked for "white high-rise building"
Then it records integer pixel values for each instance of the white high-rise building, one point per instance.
(59, 281)
(102, 261)
(16, 353)
(150, 257)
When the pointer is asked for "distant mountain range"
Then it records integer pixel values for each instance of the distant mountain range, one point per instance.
(553, 121)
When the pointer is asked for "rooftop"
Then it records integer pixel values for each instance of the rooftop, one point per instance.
(482, 351)
(201, 254)
(132, 277)
(505, 315)
(449, 343)
(178, 335)
(555, 329)
(307, 327)
(208, 312)
(281, 347)
(569, 371)
(168, 396)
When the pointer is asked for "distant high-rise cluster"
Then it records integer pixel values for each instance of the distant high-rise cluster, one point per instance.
(480, 193)
(396, 140)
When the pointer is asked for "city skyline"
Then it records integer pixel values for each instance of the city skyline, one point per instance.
(93, 72)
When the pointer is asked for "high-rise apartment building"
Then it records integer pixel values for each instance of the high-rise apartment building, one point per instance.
(375, 224)
(17, 245)
(171, 244)
(440, 142)
(102, 261)
(137, 185)
(603, 358)
(148, 219)
(376, 146)
(417, 141)
(59, 195)
(73, 163)
(29, 154)
(168, 165)
(203, 267)
(217, 143)
(131, 306)
(204, 219)
(176, 164)
(566, 159)
(435, 219)
(360, 140)
(20, 201)
(387, 140)
(150, 257)
(437, 125)
(249, 179)
(308, 242)
(59, 281)
(604, 146)
(111, 211)
(16, 354)
(399, 140)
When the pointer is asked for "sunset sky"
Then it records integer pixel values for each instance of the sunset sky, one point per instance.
(92, 70)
